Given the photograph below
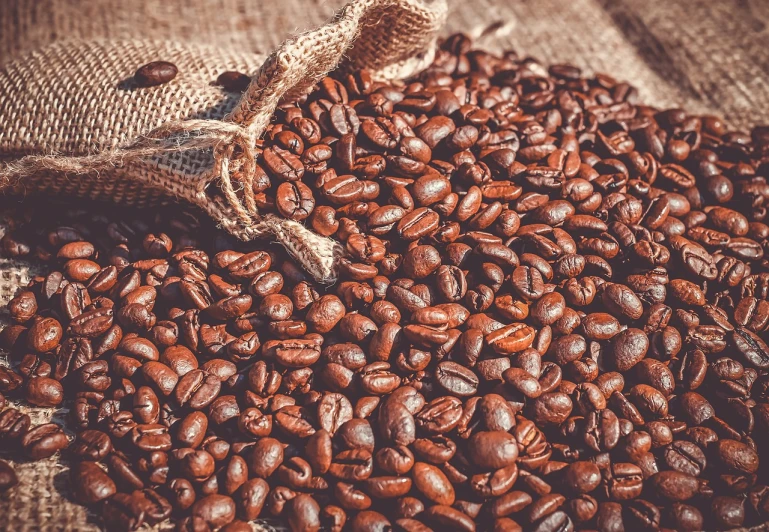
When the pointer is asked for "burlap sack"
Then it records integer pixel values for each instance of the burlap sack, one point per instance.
(702, 55)
(705, 56)
(74, 122)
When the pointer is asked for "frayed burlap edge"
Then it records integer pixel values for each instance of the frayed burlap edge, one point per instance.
(392, 38)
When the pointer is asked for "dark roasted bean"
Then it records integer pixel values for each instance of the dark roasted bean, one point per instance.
(44, 441)
(155, 73)
(8, 478)
(550, 313)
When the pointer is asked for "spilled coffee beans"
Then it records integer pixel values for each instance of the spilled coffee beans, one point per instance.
(551, 315)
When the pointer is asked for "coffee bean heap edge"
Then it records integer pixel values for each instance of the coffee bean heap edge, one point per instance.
(552, 316)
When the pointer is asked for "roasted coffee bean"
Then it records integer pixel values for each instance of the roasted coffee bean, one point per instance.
(294, 200)
(581, 477)
(550, 313)
(627, 349)
(251, 497)
(90, 483)
(304, 513)
(8, 478)
(686, 457)
(13, 424)
(455, 379)
(492, 450)
(751, 346)
(44, 391)
(233, 81)
(736, 456)
(44, 335)
(23, 307)
(265, 457)
(215, 510)
(551, 407)
(197, 389)
(34, 366)
(92, 445)
(432, 483)
(674, 485)
(44, 441)
(155, 73)
(621, 300)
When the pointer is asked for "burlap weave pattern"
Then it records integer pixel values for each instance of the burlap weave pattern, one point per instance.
(75, 123)
(703, 55)
(74, 120)
(707, 56)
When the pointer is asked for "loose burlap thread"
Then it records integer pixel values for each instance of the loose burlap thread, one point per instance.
(75, 123)
(719, 48)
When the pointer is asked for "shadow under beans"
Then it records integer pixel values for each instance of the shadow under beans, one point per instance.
(127, 85)
(61, 483)
(649, 47)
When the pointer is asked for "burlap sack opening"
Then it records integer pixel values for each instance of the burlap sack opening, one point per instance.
(74, 122)
(721, 52)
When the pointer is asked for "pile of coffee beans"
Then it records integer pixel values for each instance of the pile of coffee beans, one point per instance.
(552, 315)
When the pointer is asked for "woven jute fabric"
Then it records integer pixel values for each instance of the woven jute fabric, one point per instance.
(709, 57)
(75, 122)
(703, 55)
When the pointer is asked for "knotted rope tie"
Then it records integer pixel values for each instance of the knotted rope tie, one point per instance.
(235, 153)
(223, 137)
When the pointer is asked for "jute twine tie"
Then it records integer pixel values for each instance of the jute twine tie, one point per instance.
(392, 38)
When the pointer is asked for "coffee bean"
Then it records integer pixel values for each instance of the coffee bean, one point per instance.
(233, 81)
(751, 347)
(197, 389)
(44, 391)
(294, 200)
(90, 484)
(44, 335)
(432, 483)
(304, 513)
(23, 307)
(456, 380)
(620, 300)
(44, 441)
(581, 477)
(511, 339)
(550, 314)
(397, 424)
(685, 457)
(250, 498)
(552, 407)
(729, 512)
(492, 450)
(92, 445)
(441, 515)
(368, 520)
(627, 349)
(13, 424)
(334, 410)
(215, 510)
(8, 477)
(736, 456)
(155, 73)
(674, 485)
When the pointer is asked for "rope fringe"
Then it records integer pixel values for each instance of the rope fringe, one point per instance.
(393, 38)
